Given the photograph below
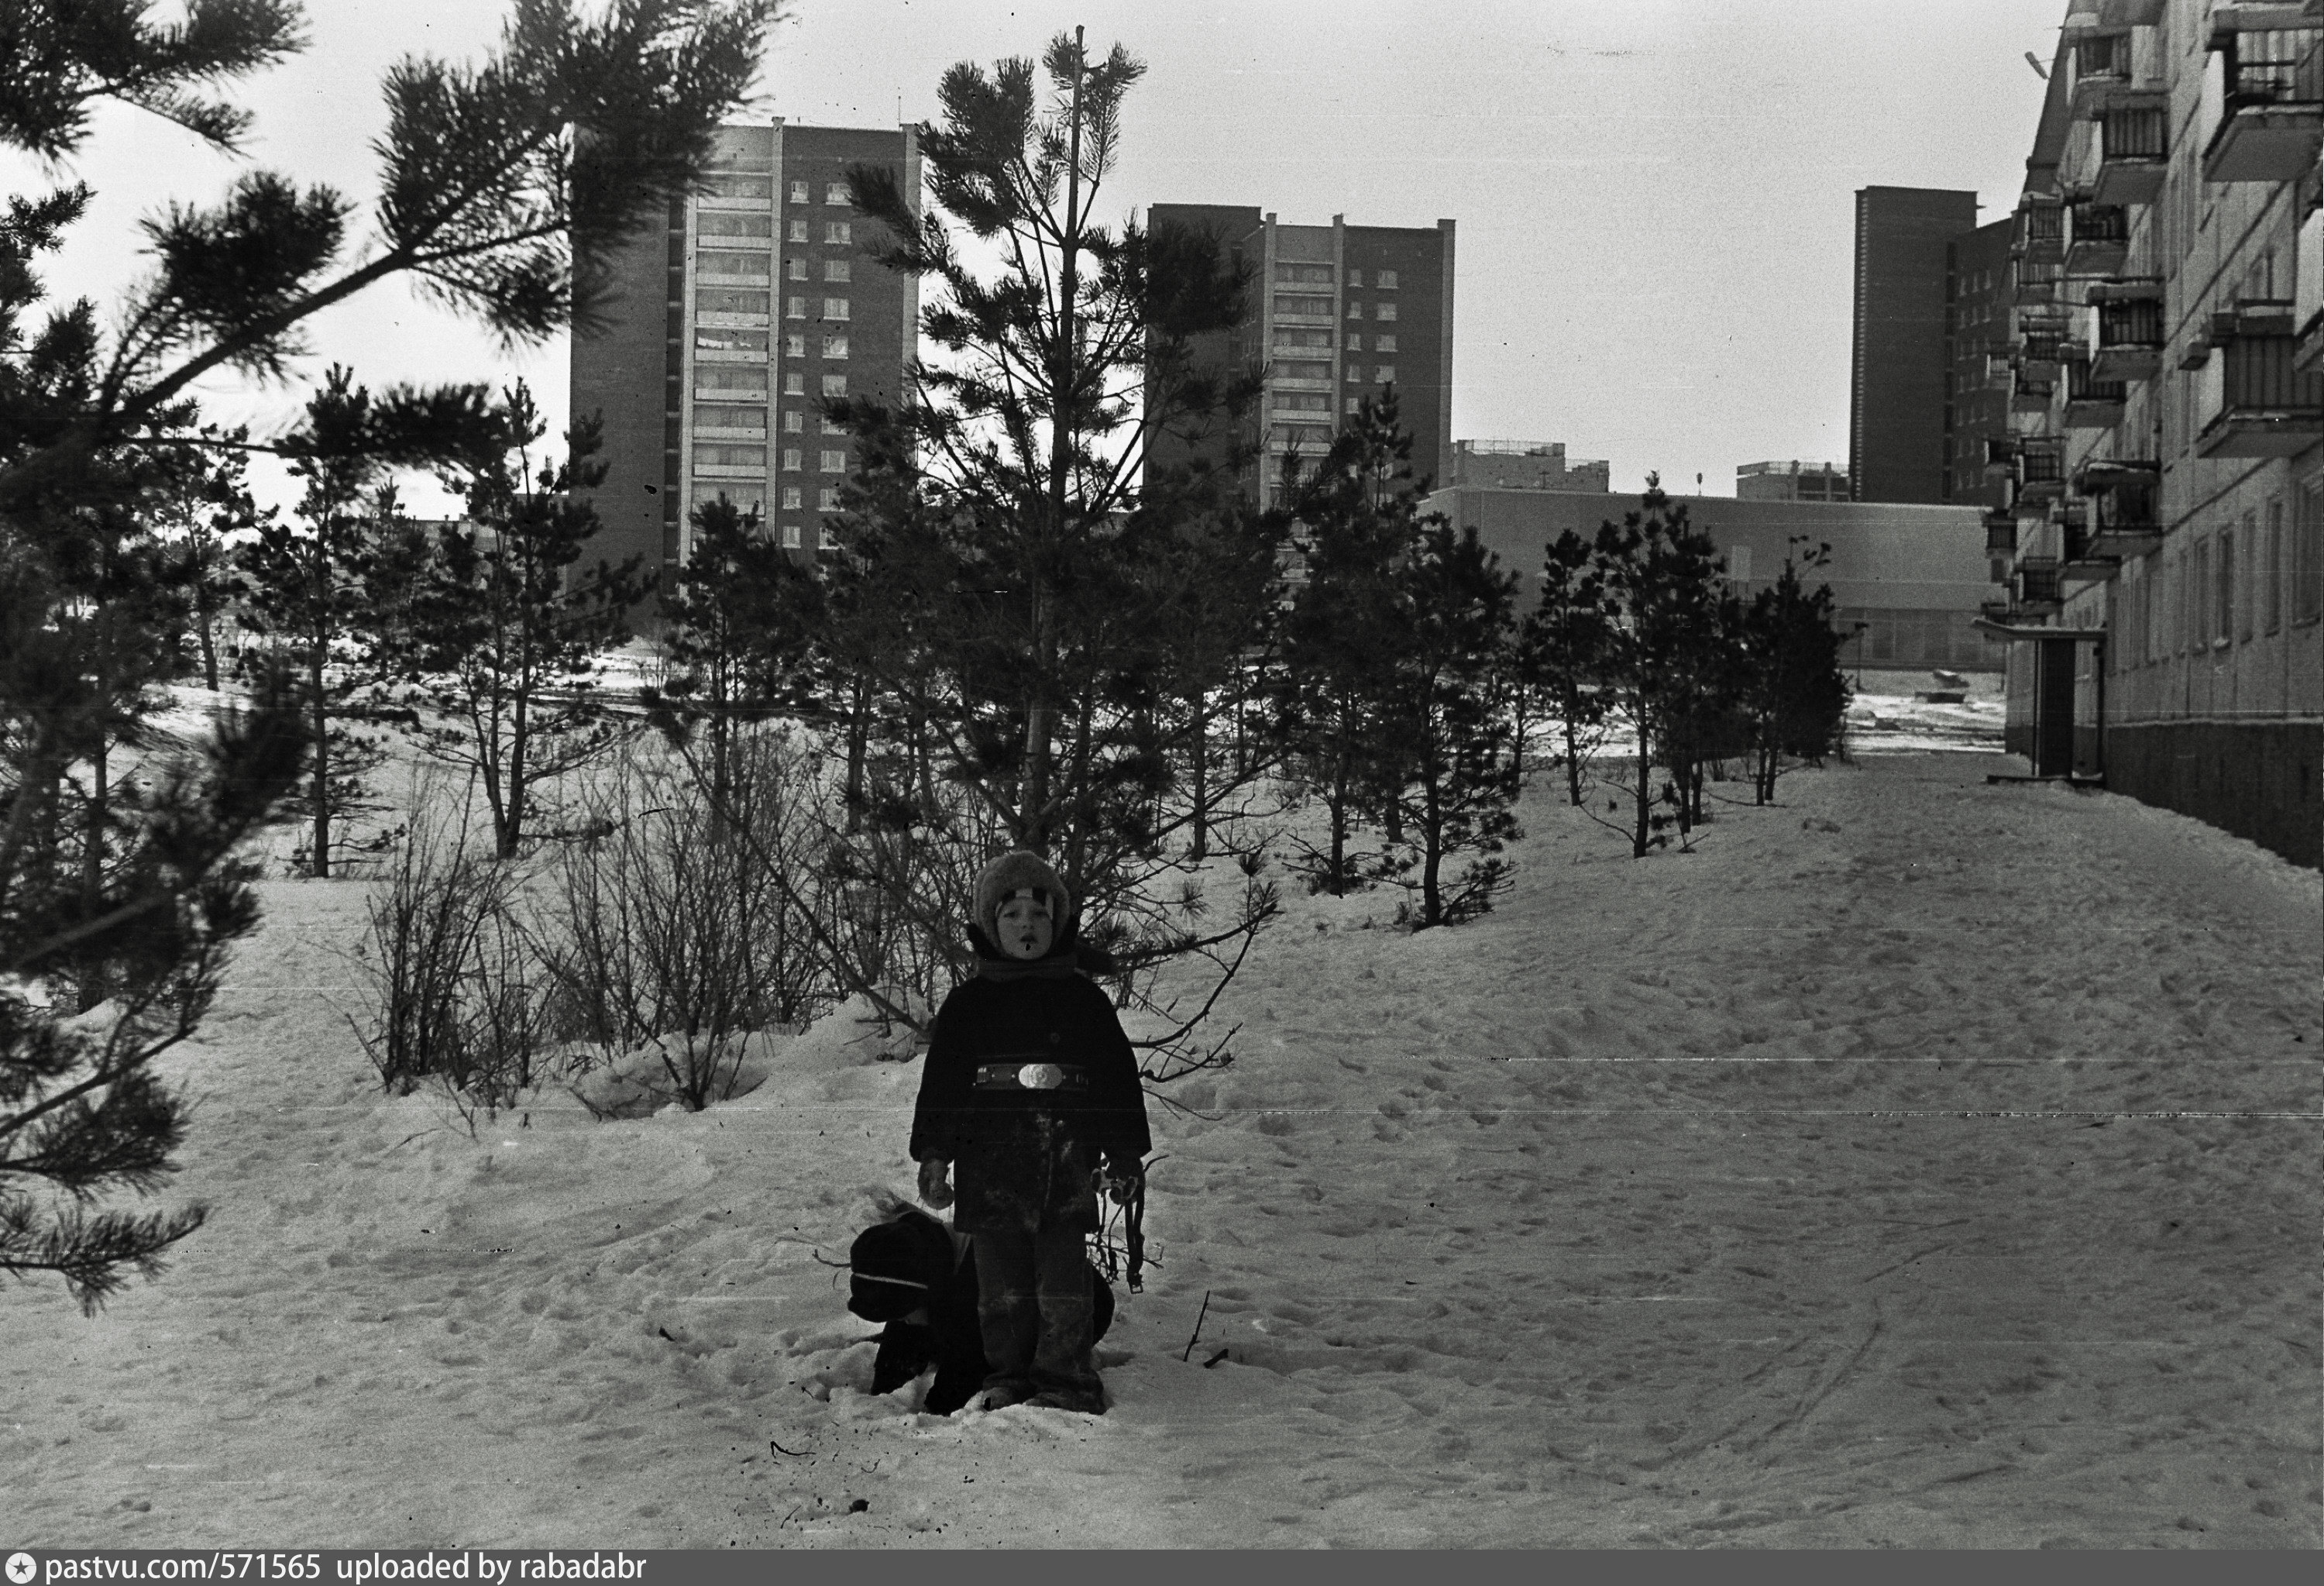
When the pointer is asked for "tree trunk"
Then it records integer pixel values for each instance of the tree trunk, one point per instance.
(859, 751)
(1432, 844)
(204, 623)
(1202, 845)
(1646, 780)
(321, 867)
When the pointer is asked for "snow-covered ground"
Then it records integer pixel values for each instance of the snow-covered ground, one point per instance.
(1918, 1162)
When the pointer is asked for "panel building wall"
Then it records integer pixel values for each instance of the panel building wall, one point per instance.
(1335, 313)
(728, 327)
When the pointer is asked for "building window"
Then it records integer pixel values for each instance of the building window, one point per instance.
(1355, 404)
(794, 384)
(1384, 374)
(827, 500)
(792, 495)
(1384, 344)
(833, 462)
(1355, 310)
(834, 385)
(1303, 275)
(1355, 278)
(794, 422)
(2223, 589)
(835, 192)
(834, 307)
(794, 346)
(832, 425)
(838, 233)
(2308, 553)
(790, 537)
(795, 308)
(2199, 597)
(1355, 342)
(796, 269)
(1384, 311)
(797, 231)
(791, 459)
(837, 270)
(2270, 571)
(2247, 601)
(1739, 563)
(731, 456)
(825, 539)
(834, 346)
(1388, 281)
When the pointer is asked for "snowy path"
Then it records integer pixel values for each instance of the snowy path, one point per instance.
(1920, 1162)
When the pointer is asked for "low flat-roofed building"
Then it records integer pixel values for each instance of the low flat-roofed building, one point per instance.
(1526, 465)
(1791, 481)
(1914, 577)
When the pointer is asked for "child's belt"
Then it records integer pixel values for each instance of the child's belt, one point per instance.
(1032, 1076)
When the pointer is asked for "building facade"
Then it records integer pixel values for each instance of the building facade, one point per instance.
(1791, 481)
(727, 328)
(1898, 362)
(1909, 582)
(1336, 313)
(1525, 464)
(2164, 535)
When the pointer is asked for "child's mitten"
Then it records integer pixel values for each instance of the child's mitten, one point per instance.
(934, 1190)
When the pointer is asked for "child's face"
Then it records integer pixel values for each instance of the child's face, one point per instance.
(1026, 932)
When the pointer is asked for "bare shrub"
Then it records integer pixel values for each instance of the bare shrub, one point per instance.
(668, 931)
(455, 996)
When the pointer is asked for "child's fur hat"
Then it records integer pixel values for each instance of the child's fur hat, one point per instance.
(1013, 873)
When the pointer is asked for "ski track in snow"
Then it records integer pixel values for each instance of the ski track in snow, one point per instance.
(1920, 1162)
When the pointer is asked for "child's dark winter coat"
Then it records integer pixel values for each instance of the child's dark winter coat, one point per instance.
(1024, 1156)
(1029, 1088)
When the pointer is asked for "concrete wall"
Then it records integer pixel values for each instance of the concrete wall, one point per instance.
(1916, 574)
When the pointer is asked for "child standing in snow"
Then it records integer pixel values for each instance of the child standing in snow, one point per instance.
(1030, 1083)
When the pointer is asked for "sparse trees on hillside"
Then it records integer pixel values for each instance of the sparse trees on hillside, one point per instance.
(1561, 648)
(503, 190)
(506, 634)
(1794, 694)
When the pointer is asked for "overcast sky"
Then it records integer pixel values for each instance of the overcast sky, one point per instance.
(1654, 197)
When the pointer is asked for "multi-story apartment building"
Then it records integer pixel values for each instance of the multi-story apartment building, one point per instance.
(1335, 313)
(1929, 297)
(1789, 480)
(1525, 465)
(2164, 535)
(728, 327)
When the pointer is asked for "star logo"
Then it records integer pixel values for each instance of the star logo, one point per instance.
(21, 1569)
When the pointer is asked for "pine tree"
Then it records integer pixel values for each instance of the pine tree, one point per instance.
(311, 585)
(1033, 428)
(1665, 661)
(504, 190)
(1459, 774)
(507, 631)
(739, 619)
(1561, 649)
(1794, 693)
(1346, 627)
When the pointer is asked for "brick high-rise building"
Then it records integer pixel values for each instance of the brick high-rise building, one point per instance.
(1336, 312)
(727, 328)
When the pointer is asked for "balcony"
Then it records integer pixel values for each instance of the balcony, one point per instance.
(2308, 285)
(2102, 65)
(2270, 87)
(2255, 400)
(2030, 389)
(2098, 240)
(2092, 404)
(2041, 467)
(2083, 563)
(2037, 585)
(2126, 330)
(2036, 282)
(2123, 521)
(2001, 533)
(2040, 237)
(2133, 153)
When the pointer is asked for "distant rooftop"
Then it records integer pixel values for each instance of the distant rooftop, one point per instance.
(1794, 466)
